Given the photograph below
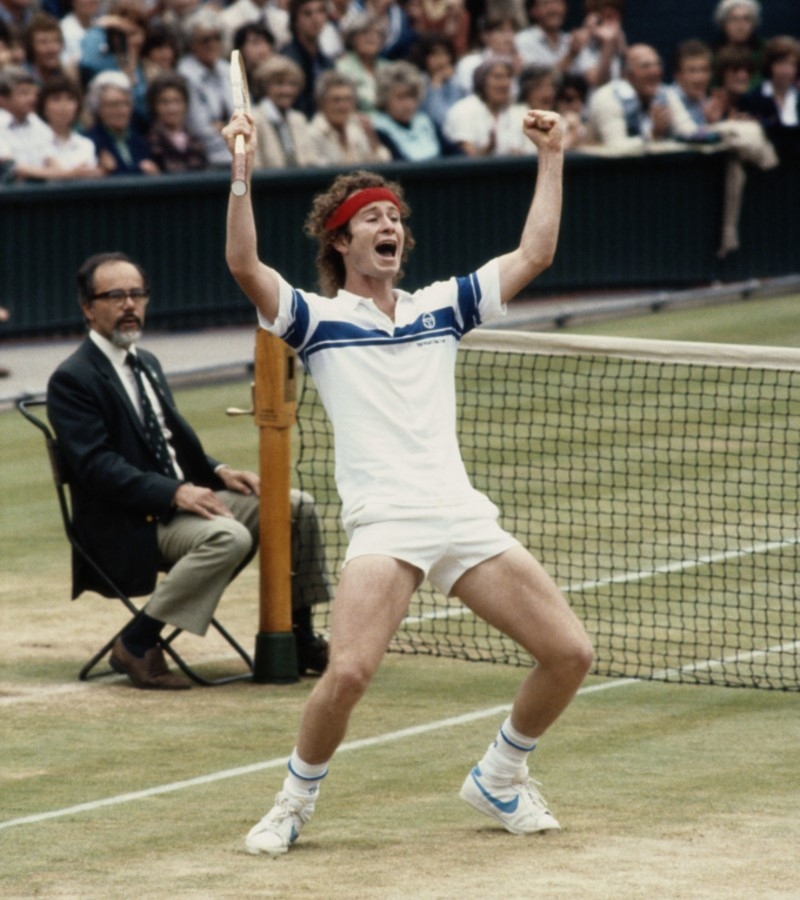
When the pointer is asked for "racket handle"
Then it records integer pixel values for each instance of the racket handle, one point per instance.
(238, 184)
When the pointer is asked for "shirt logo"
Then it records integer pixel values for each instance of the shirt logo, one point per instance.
(429, 321)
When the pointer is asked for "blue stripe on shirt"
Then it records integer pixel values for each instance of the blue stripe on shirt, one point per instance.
(295, 335)
(336, 334)
(429, 324)
(469, 296)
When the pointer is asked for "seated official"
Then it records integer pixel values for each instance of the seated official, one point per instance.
(145, 495)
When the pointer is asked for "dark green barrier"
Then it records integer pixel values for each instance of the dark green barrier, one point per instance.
(645, 222)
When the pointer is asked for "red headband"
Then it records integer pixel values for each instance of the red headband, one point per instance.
(347, 209)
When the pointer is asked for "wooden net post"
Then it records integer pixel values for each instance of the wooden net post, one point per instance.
(275, 408)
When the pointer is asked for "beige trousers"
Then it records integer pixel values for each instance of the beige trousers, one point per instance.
(204, 554)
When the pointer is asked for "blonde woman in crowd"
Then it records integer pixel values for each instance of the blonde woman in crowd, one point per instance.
(339, 135)
(284, 140)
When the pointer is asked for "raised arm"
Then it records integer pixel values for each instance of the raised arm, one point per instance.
(537, 246)
(257, 280)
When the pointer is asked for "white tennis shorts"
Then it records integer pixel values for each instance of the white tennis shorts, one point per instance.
(442, 542)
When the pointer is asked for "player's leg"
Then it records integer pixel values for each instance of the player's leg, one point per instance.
(513, 593)
(370, 602)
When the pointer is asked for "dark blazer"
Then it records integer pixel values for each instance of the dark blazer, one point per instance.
(170, 159)
(785, 138)
(137, 146)
(313, 67)
(118, 496)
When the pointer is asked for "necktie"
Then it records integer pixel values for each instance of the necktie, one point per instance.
(285, 138)
(155, 436)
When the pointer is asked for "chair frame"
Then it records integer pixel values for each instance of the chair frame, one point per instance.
(62, 485)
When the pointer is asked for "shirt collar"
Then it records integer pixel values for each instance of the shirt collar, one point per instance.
(353, 300)
(27, 122)
(271, 111)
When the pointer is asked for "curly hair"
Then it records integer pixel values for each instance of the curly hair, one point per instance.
(329, 261)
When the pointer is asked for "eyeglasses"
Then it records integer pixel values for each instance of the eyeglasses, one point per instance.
(118, 296)
(209, 38)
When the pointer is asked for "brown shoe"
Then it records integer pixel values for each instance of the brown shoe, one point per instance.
(150, 672)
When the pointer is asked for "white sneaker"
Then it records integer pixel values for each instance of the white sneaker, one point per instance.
(517, 805)
(280, 827)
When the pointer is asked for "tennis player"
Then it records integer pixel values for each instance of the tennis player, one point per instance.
(383, 361)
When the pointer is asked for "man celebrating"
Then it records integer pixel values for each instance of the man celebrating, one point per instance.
(146, 496)
(627, 114)
(383, 361)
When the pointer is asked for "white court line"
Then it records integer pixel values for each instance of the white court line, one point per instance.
(281, 761)
(413, 731)
(710, 559)
(39, 693)
(453, 612)
(706, 664)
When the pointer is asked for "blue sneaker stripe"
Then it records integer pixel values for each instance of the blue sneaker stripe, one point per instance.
(505, 806)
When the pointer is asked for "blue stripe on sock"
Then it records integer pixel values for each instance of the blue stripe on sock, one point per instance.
(511, 743)
(306, 777)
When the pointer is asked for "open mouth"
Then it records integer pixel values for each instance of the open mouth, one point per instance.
(386, 249)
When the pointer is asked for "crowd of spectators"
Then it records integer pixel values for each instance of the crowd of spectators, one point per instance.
(97, 88)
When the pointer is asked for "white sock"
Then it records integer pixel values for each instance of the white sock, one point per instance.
(508, 753)
(303, 779)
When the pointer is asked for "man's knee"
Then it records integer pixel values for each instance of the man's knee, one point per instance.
(582, 655)
(348, 680)
(231, 538)
(575, 657)
(246, 510)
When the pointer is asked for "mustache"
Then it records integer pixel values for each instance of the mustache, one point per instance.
(127, 318)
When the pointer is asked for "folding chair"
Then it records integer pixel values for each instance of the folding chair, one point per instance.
(61, 481)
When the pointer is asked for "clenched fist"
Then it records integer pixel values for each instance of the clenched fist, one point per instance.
(544, 129)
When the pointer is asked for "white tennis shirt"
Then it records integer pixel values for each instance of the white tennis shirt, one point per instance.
(388, 387)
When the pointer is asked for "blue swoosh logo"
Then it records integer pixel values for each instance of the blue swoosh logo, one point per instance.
(505, 806)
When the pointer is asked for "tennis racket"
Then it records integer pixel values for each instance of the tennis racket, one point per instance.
(241, 103)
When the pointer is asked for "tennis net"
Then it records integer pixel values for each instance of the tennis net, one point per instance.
(656, 481)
